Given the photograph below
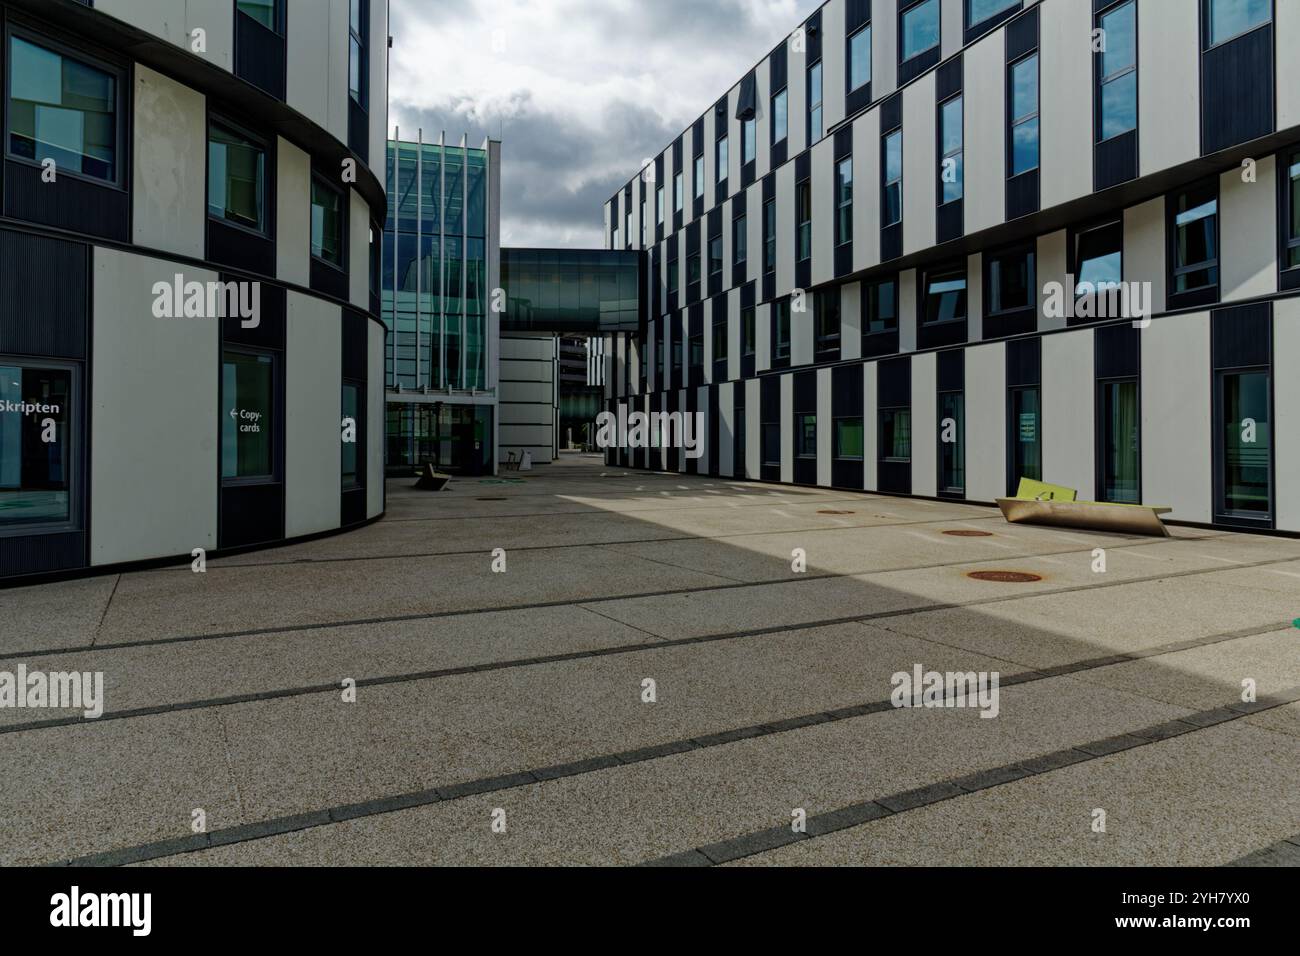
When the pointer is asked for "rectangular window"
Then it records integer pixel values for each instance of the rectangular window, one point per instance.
(358, 55)
(1117, 71)
(803, 200)
(740, 238)
(720, 342)
(1247, 444)
(1120, 447)
(748, 144)
(265, 12)
(952, 139)
(236, 178)
(844, 200)
(1012, 283)
(672, 277)
(977, 11)
(678, 194)
(815, 102)
(36, 446)
(881, 300)
(945, 296)
(780, 116)
(769, 236)
(920, 30)
(247, 415)
(1026, 448)
(896, 435)
(827, 306)
(747, 336)
(1099, 258)
(627, 229)
(715, 256)
(326, 222)
(805, 436)
(892, 203)
(1023, 104)
(952, 443)
(1292, 214)
(645, 226)
(699, 176)
(1196, 239)
(848, 439)
(693, 269)
(772, 444)
(1231, 18)
(63, 109)
(781, 329)
(352, 411)
(659, 205)
(860, 59)
(613, 244)
(723, 159)
(697, 350)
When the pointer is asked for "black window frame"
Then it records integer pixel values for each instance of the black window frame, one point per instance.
(904, 9)
(740, 240)
(360, 481)
(344, 212)
(1102, 425)
(697, 177)
(278, 366)
(837, 452)
(886, 183)
(748, 331)
(803, 226)
(803, 421)
(279, 16)
(1206, 19)
(827, 302)
(1027, 251)
(362, 97)
(769, 237)
(1102, 80)
(778, 358)
(993, 19)
(848, 58)
(817, 106)
(937, 273)
(123, 161)
(870, 297)
(1204, 294)
(785, 136)
(843, 236)
(960, 153)
(1288, 193)
(721, 258)
(267, 231)
(719, 161)
(74, 440)
(1035, 116)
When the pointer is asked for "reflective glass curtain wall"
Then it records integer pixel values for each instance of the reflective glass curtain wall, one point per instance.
(435, 298)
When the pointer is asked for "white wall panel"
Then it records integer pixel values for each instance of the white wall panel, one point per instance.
(907, 294)
(154, 416)
(1069, 389)
(293, 214)
(1065, 39)
(311, 67)
(727, 429)
(1051, 266)
(919, 164)
(1176, 433)
(171, 160)
(866, 190)
(884, 47)
(753, 429)
(985, 125)
(825, 428)
(359, 250)
(834, 52)
(1169, 61)
(823, 205)
(176, 20)
(785, 213)
(986, 422)
(1144, 248)
(313, 416)
(850, 321)
(1248, 225)
(1286, 410)
(925, 415)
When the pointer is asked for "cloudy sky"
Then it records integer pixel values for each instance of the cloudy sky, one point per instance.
(578, 91)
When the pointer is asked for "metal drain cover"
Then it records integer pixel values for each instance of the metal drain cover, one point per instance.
(969, 534)
(1004, 577)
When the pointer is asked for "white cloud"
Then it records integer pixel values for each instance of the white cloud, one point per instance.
(579, 91)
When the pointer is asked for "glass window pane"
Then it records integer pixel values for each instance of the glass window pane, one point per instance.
(1247, 444)
(952, 126)
(62, 109)
(952, 443)
(1024, 88)
(747, 147)
(1121, 41)
(1024, 140)
(1229, 18)
(722, 159)
(326, 223)
(351, 410)
(1012, 283)
(882, 313)
(860, 59)
(780, 116)
(699, 176)
(977, 11)
(236, 171)
(1119, 106)
(815, 84)
(896, 434)
(805, 436)
(263, 11)
(1100, 257)
(893, 157)
(247, 415)
(35, 445)
(1120, 442)
(1027, 460)
(848, 438)
(1294, 232)
(946, 298)
(920, 29)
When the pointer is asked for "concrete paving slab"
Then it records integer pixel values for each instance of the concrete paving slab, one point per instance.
(61, 614)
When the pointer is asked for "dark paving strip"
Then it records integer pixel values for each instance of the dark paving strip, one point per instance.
(792, 579)
(761, 841)
(291, 824)
(1283, 853)
(236, 565)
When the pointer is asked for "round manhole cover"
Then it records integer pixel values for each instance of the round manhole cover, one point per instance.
(1004, 577)
(969, 534)
(836, 512)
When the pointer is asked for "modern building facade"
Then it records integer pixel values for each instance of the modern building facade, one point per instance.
(191, 352)
(929, 247)
(442, 258)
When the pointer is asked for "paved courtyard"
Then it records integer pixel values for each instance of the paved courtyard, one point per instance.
(504, 718)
